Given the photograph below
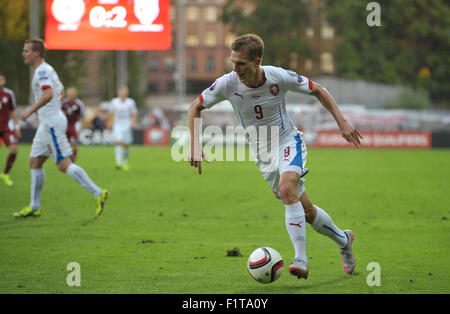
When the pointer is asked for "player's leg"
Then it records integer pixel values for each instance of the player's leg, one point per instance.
(73, 144)
(322, 223)
(38, 156)
(82, 178)
(37, 180)
(74, 154)
(37, 184)
(118, 145)
(128, 139)
(295, 221)
(77, 173)
(11, 158)
(292, 162)
(126, 153)
(118, 154)
(11, 141)
(125, 157)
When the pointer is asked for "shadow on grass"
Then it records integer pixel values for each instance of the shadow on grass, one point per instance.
(303, 286)
(17, 222)
(39, 222)
(90, 221)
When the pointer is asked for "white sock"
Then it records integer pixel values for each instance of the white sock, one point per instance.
(37, 183)
(80, 176)
(324, 225)
(118, 153)
(126, 155)
(295, 225)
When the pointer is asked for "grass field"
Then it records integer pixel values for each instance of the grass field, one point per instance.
(166, 229)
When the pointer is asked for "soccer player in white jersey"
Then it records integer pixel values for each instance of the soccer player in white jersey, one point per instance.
(257, 94)
(50, 138)
(123, 109)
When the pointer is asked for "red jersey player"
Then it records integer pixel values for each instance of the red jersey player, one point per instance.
(9, 135)
(73, 108)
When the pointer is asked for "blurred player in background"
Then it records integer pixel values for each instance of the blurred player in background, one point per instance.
(257, 94)
(157, 117)
(124, 115)
(9, 133)
(50, 138)
(74, 110)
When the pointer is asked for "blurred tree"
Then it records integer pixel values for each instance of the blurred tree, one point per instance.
(411, 99)
(13, 31)
(410, 47)
(136, 76)
(108, 70)
(14, 19)
(280, 24)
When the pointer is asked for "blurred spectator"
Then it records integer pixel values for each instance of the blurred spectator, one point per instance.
(157, 117)
(99, 121)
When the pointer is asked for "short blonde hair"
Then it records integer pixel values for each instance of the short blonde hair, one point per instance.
(37, 44)
(251, 43)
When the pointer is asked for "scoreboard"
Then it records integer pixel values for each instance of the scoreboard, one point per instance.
(108, 24)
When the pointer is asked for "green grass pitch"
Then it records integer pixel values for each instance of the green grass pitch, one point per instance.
(165, 229)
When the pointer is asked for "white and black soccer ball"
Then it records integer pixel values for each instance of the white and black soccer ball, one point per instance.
(265, 265)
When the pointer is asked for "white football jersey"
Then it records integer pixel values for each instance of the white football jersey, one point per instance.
(45, 77)
(261, 106)
(123, 111)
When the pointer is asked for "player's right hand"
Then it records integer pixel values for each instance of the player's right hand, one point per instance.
(25, 115)
(195, 159)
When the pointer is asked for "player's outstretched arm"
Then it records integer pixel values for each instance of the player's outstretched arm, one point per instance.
(196, 152)
(348, 131)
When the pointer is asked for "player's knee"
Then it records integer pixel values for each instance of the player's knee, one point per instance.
(288, 193)
(34, 163)
(64, 165)
(13, 149)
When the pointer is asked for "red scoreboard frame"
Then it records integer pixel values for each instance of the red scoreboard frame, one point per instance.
(108, 24)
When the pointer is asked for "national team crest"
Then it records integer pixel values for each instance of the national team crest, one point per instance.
(274, 89)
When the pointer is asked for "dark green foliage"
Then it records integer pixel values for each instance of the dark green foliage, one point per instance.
(411, 46)
(279, 23)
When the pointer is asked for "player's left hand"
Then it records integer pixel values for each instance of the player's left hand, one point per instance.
(351, 134)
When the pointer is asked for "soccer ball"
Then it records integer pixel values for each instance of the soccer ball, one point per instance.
(265, 265)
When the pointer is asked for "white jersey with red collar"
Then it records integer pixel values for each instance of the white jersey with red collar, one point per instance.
(261, 106)
(46, 77)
